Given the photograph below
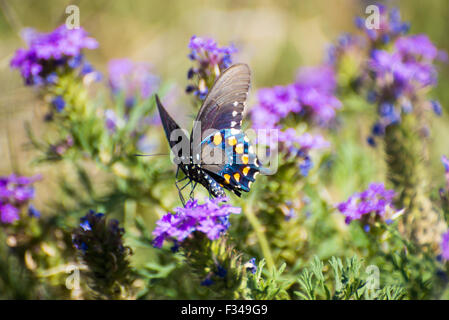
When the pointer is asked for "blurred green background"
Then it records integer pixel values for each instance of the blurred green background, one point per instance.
(273, 37)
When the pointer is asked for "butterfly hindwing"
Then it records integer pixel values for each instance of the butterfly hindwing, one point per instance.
(229, 156)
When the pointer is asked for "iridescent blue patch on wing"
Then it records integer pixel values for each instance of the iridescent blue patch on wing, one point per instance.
(239, 166)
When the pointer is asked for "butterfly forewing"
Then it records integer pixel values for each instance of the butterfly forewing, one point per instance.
(178, 140)
(224, 105)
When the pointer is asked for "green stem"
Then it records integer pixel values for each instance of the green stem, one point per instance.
(260, 233)
(12, 157)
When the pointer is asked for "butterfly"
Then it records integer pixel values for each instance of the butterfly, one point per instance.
(218, 154)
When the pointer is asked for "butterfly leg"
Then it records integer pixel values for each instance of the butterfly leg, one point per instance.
(193, 189)
(181, 197)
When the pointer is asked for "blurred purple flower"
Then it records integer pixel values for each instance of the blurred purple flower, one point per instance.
(8, 213)
(445, 246)
(390, 25)
(59, 103)
(210, 218)
(207, 52)
(315, 89)
(376, 199)
(416, 46)
(15, 192)
(48, 52)
(112, 121)
(251, 266)
(210, 61)
(445, 162)
(134, 79)
(399, 76)
(274, 105)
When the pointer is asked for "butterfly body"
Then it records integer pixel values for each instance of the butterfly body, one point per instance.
(197, 174)
(222, 157)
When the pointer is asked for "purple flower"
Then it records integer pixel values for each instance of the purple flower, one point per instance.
(251, 266)
(132, 78)
(59, 103)
(49, 52)
(112, 121)
(315, 88)
(274, 104)
(33, 212)
(445, 246)
(436, 107)
(15, 192)
(445, 162)
(210, 218)
(416, 46)
(8, 213)
(376, 199)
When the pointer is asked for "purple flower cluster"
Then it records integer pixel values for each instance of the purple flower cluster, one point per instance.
(210, 60)
(274, 104)
(210, 218)
(277, 103)
(395, 69)
(50, 54)
(399, 76)
(376, 199)
(445, 246)
(132, 79)
(408, 68)
(16, 192)
(312, 95)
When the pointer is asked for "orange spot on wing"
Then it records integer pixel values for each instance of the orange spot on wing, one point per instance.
(245, 159)
(227, 178)
(245, 171)
(239, 148)
(232, 141)
(237, 176)
(217, 138)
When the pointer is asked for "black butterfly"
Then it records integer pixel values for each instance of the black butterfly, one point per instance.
(218, 154)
